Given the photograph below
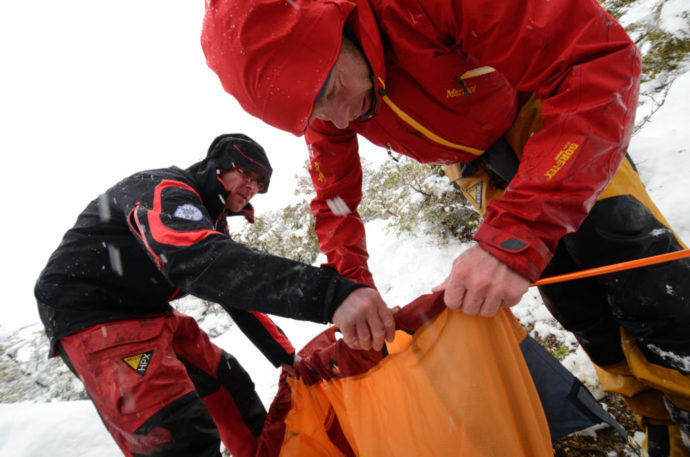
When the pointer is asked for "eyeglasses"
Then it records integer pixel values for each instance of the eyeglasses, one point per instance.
(251, 176)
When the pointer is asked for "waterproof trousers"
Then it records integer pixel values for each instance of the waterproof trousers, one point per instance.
(163, 389)
(634, 325)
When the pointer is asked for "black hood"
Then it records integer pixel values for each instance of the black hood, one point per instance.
(225, 153)
(232, 149)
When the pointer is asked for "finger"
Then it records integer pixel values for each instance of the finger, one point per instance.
(363, 335)
(388, 323)
(472, 303)
(508, 302)
(454, 297)
(349, 335)
(515, 295)
(377, 331)
(491, 304)
(489, 307)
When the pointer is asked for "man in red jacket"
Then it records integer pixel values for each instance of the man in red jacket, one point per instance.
(536, 99)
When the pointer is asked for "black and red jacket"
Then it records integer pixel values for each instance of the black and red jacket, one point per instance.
(160, 234)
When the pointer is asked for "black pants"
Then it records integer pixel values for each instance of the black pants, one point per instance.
(635, 324)
(650, 303)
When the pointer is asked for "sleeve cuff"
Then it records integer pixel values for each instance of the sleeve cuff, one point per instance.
(334, 290)
(525, 254)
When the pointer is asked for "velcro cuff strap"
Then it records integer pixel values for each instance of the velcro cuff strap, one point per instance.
(526, 255)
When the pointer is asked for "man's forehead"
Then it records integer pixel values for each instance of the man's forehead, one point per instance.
(249, 170)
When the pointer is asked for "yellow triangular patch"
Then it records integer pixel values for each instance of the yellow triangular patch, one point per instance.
(474, 195)
(140, 362)
(133, 361)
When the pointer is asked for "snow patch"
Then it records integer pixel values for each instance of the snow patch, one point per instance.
(56, 429)
(659, 231)
(674, 18)
(581, 367)
(680, 362)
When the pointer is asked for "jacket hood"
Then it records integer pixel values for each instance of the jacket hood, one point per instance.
(225, 153)
(232, 149)
(274, 56)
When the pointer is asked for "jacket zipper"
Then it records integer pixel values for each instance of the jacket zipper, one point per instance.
(406, 118)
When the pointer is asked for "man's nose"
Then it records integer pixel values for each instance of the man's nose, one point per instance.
(340, 115)
(253, 186)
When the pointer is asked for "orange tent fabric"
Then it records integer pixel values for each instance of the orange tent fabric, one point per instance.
(450, 384)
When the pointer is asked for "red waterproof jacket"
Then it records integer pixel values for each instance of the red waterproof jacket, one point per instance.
(449, 75)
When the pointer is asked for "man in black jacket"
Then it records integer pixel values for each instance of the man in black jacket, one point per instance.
(160, 386)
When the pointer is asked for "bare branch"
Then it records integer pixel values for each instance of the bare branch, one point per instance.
(657, 104)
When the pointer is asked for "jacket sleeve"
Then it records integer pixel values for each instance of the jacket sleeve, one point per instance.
(336, 173)
(585, 70)
(265, 334)
(179, 236)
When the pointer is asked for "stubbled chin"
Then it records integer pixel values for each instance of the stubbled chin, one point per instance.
(237, 204)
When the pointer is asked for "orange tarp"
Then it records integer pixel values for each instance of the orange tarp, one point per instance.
(457, 386)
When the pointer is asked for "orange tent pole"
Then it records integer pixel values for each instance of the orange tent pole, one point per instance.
(615, 267)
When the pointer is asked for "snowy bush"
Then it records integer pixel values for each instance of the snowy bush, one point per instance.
(418, 199)
(288, 232)
(26, 373)
(211, 317)
(661, 30)
(411, 197)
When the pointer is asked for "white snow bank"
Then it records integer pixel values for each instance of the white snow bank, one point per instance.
(661, 151)
(61, 429)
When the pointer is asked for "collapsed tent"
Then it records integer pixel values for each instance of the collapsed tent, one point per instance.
(449, 384)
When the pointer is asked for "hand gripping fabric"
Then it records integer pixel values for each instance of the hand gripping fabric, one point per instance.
(450, 384)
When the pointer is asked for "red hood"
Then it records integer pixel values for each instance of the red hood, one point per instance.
(274, 56)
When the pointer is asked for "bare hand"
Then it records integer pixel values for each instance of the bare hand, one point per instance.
(364, 320)
(479, 283)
